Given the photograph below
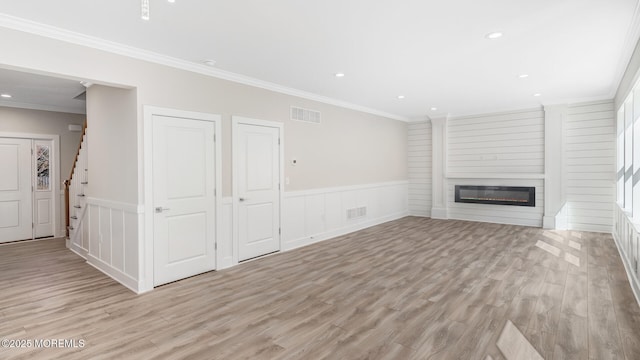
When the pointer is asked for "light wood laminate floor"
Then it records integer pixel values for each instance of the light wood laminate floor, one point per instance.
(414, 288)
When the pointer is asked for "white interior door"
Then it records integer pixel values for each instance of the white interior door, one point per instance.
(183, 198)
(43, 188)
(15, 190)
(258, 188)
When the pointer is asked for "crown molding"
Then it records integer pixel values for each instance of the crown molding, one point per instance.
(630, 42)
(32, 27)
(503, 111)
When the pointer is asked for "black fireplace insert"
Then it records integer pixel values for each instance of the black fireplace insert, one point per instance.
(497, 195)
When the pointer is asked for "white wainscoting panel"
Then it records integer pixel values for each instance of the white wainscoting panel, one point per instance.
(224, 251)
(500, 214)
(627, 240)
(320, 214)
(112, 230)
(79, 239)
(589, 140)
(419, 162)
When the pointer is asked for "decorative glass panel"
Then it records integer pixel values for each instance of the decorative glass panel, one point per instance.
(42, 161)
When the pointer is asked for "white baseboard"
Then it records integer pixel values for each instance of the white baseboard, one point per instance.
(117, 275)
(297, 243)
(439, 213)
(225, 263)
(77, 249)
(425, 213)
(224, 252)
(548, 222)
(633, 279)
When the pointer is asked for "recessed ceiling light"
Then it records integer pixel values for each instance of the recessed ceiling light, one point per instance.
(434, 108)
(210, 63)
(7, 96)
(400, 97)
(523, 76)
(339, 75)
(493, 35)
(171, 1)
(537, 94)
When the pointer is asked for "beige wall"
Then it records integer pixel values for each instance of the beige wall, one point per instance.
(348, 148)
(112, 149)
(46, 122)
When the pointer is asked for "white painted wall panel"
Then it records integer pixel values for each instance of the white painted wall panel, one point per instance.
(225, 242)
(93, 214)
(315, 215)
(627, 239)
(117, 239)
(105, 235)
(293, 219)
(497, 143)
(419, 165)
(492, 150)
(112, 239)
(589, 135)
(131, 265)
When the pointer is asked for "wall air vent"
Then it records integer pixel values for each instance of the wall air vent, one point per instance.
(306, 115)
(356, 212)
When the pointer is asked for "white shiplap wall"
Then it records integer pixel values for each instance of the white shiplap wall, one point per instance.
(505, 143)
(504, 149)
(589, 138)
(420, 158)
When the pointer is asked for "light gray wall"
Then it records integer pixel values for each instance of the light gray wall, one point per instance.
(348, 148)
(629, 78)
(46, 122)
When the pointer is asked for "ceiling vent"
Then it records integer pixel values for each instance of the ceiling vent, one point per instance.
(306, 115)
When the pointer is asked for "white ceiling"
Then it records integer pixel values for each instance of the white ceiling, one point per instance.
(33, 91)
(432, 52)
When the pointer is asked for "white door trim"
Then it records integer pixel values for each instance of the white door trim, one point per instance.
(235, 121)
(58, 229)
(145, 244)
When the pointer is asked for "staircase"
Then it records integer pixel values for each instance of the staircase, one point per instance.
(76, 203)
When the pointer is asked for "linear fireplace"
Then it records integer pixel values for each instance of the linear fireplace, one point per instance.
(497, 195)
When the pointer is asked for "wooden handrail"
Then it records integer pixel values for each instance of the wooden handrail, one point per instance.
(67, 182)
(73, 167)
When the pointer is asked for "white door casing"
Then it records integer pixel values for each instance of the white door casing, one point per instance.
(15, 190)
(257, 164)
(184, 198)
(44, 172)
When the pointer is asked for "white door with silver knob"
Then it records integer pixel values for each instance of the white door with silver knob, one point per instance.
(257, 167)
(15, 190)
(183, 198)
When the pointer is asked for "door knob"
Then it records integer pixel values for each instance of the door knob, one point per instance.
(242, 199)
(160, 209)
